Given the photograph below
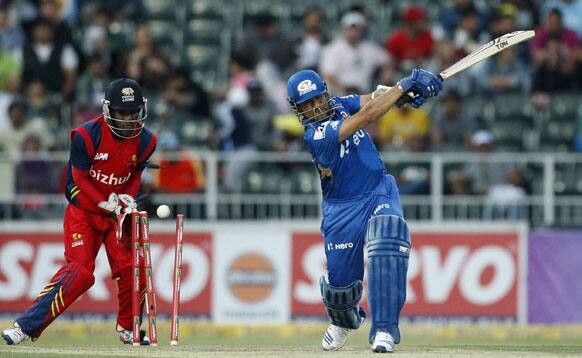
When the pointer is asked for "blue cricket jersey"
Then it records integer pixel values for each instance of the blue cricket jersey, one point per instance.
(350, 168)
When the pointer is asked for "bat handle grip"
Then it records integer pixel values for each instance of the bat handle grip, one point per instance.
(409, 96)
(405, 98)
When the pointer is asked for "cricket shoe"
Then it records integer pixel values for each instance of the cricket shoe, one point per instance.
(14, 335)
(383, 343)
(334, 338)
(126, 336)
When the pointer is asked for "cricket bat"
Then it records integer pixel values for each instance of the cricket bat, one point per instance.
(487, 50)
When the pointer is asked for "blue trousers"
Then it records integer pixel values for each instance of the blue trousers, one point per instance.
(344, 229)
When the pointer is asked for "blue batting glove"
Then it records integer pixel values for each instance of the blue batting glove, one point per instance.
(426, 83)
(418, 101)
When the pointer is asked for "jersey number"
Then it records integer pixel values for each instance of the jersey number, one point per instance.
(356, 138)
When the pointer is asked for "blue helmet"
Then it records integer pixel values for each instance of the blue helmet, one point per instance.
(304, 86)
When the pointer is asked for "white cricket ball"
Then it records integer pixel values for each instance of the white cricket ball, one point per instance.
(163, 211)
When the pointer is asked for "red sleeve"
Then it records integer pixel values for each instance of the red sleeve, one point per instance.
(84, 183)
(80, 163)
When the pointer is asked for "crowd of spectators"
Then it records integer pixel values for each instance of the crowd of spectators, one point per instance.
(57, 54)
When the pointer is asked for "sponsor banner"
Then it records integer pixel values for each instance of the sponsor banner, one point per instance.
(251, 282)
(455, 274)
(554, 284)
(29, 260)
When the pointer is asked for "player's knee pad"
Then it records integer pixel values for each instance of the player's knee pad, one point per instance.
(388, 243)
(343, 303)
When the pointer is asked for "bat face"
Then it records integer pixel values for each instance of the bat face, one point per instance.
(489, 49)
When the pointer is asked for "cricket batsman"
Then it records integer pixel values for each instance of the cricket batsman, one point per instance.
(108, 155)
(361, 203)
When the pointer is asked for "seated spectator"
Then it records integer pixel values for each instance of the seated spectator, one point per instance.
(235, 95)
(553, 30)
(414, 178)
(40, 105)
(91, 86)
(401, 125)
(11, 36)
(411, 45)
(457, 183)
(502, 184)
(556, 72)
(570, 9)
(505, 73)
(182, 171)
(252, 130)
(45, 60)
(554, 50)
(35, 176)
(452, 16)
(469, 35)
(445, 55)
(260, 113)
(186, 95)
(103, 39)
(291, 138)
(527, 14)
(486, 176)
(12, 140)
(451, 126)
(49, 11)
(146, 63)
(350, 62)
(309, 45)
(504, 20)
(266, 42)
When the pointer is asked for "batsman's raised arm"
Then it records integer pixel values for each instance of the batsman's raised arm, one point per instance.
(376, 104)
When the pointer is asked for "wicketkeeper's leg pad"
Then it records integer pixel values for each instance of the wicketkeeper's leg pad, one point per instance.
(343, 303)
(388, 243)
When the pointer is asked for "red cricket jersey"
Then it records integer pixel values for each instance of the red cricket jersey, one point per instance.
(101, 163)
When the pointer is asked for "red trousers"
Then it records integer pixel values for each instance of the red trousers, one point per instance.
(85, 232)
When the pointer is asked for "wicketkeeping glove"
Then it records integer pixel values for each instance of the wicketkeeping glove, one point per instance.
(127, 201)
(111, 205)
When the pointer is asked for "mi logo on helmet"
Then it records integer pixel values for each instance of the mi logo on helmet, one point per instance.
(127, 94)
(306, 86)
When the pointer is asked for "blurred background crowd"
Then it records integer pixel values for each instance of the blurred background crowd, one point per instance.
(215, 71)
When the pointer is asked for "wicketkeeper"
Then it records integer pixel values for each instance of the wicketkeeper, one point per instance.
(108, 155)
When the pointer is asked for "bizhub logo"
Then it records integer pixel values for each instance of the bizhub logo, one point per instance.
(109, 179)
(342, 246)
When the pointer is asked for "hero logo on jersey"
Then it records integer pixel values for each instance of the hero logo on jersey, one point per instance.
(306, 87)
(127, 94)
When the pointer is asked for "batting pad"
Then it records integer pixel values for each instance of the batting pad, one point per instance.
(343, 303)
(388, 243)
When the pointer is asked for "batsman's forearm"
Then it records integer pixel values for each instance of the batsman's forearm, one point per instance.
(376, 108)
(369, 113)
